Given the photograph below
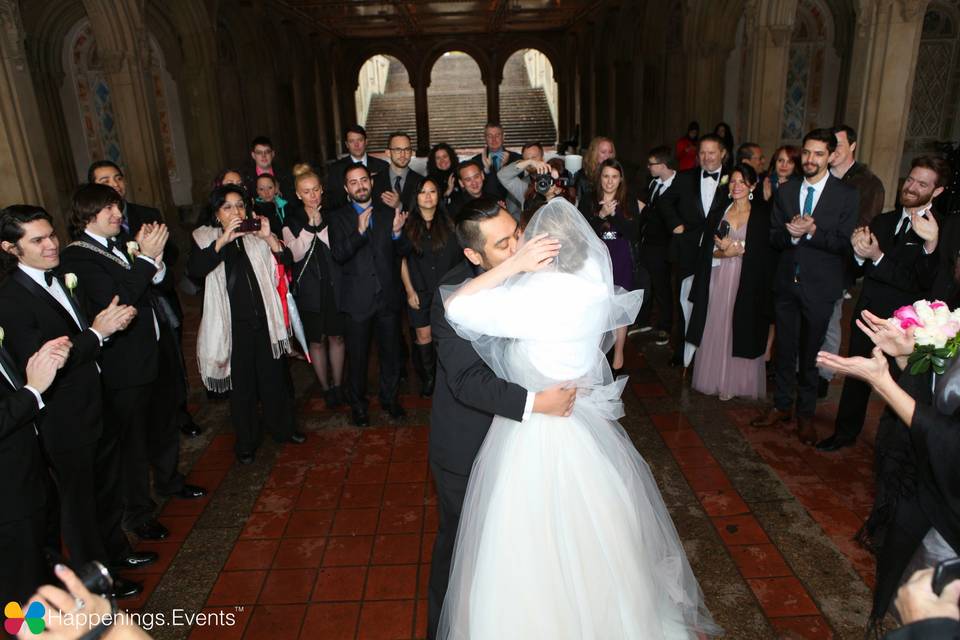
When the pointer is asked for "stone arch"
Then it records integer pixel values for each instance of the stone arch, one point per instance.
(546, 47)
(360, 57)
(384, 100)
(479, 55)
(456, 111)
(528, 83)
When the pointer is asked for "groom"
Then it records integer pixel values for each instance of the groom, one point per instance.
(468, 394)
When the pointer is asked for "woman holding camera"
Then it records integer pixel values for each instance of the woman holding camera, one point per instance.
(243, 335)
(731, 295)
(615, 217)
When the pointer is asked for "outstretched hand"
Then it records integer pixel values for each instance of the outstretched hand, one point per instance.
(886, 334)
(871, 370)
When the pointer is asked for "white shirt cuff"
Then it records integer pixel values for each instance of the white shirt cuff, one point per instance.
(98, 334)
(36, 394)
(859, 260)
(795, 240)
(528, 408)
(877, 261)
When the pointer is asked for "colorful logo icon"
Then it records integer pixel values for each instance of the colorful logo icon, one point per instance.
(16, 618)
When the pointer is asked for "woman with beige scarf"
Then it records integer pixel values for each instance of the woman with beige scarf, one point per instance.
(243, 336)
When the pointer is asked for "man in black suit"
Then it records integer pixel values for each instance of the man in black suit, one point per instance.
(111, 263)
(472, 180)
(38, 303)
(261, 161)
(23, 491)
(355, 139)
(810, 225)
(468, 394)
(695, 195)
(402, 179)
(893, 252)
(164, 298)
(366, 241)
(656, 235)
(494, 157)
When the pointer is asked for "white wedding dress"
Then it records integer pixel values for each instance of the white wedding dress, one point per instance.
(563, 534)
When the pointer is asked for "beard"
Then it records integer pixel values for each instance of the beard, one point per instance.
(914, 200)
(810, 170)
(361, 196)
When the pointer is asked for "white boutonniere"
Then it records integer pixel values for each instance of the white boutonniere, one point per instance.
(70, 280)
(1, 336)
(724, 180)
(133, 249)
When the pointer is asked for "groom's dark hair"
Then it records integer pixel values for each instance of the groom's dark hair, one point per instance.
(469, 219)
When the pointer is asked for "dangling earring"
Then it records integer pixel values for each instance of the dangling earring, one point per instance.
(750, 197)
(729, 196)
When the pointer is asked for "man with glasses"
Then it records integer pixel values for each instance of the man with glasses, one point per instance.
(402, 179)
(262, 156)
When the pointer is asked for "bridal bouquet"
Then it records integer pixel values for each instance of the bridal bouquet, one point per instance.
(935, 336)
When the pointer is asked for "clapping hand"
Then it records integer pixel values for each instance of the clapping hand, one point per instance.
(865, 244)
(608, 208)
(886, 334)
(800, 226)
(152, 238)
(535, 254)
(870, 370)
(927, 228)
(390, 198)
(363, 220)
(399, 219)
(42, 366)
(115, 317)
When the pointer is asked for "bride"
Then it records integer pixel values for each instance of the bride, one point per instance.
(564, 534)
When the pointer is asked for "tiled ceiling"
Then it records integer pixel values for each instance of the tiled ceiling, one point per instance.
(379, 19)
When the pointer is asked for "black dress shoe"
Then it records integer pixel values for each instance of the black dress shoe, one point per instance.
(123, 588)
(834, 443)
(298, 437)
(135, 560)
(394, 410)
(245, 458)
(189, 492)
(151, 530)
(823, 388)
(360, 418)
(191, 429)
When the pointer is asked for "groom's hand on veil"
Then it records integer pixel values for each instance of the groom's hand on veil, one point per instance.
(555, 401)
(535, 254)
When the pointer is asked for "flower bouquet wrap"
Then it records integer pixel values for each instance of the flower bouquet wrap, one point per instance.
(935, 330)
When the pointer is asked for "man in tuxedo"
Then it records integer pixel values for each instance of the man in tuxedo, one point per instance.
(402, 179)
(494, 157)
(262, 161)
(655, 241)
(355, 138)
(110, 263)
(23, 491)
(468, 394)
(472, 180)
(164, 298)
(367, 242)
(694, 196)
(811, 224)
(893, 253)
(39, 303)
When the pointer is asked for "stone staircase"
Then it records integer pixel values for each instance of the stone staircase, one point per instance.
(458, 106)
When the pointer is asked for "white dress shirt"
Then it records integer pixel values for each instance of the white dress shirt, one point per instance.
(708, 189)
(817, 192)
(662, 185)
(55, 289)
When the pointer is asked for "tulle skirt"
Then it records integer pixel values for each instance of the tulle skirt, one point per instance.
(564, 536)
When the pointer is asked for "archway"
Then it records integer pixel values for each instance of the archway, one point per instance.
(456, 101)
(529, 99)
(384, 100)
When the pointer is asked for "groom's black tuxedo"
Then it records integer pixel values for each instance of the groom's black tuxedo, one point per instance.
(467, 396)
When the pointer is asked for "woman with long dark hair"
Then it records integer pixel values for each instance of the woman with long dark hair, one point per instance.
(442, 164)
(435, 252)
(784, 166)
(243, 335)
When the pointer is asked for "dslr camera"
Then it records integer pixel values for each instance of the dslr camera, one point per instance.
(543, 181)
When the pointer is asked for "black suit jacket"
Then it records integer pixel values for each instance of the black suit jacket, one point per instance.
(23, 490)
(130, 357)
(821, 258)
(31, 317)
(468, 393)
(927, 629)
(655, 230)
(681, 204)
(492, 186)
(898, 279)
(369, 264)
(138, 215)
(335, 196)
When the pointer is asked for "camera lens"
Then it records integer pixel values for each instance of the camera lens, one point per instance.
(96, 578)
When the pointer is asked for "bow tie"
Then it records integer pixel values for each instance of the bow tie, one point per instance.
(48, 277)
(113, 244)
(715, 176)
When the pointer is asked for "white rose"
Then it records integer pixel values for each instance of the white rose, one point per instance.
(724, 180)
(924, 312)
(70, 280)
(923, 336)
(133, 247)
(942, 314)
(1, 336)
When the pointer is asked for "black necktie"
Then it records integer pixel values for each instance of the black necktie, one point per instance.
(48, 277)
(396, 185)
(656, 193)
(904, 227)
(715, 176)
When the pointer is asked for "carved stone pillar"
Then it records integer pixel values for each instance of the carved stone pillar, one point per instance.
(768, 27)
(884, 85)
(200, 103)
(493, 97)
(24, 156)
(421, 107)
(706, 71)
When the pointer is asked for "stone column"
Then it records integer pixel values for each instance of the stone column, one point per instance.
(493, 96)
(24, 156)
(768, 27)
(422, 110)
(706, 71)
(884, 88)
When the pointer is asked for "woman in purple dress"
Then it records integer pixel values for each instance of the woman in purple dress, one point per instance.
(616, 218)
(731, 295)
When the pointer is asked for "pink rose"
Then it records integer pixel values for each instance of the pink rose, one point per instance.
(907, 316)
(950, 329)
(936, 304)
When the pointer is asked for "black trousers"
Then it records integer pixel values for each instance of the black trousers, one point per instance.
(451, 491)
(801, 325)
(22, 563)
(163, 435)
(258, 378)
(357, 336)
(659, 295)
(127, 414)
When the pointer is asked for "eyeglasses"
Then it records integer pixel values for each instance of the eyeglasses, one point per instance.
(401, 149)
(229, 206)
(653, 164)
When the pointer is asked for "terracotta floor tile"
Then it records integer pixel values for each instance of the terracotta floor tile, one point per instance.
(367, 474)
(759, 561)
(288, 586)
(275, 621)
(818, 496)
(649, 389)
(679, 438)
(423, 580)
(400, 520)
(711, 478)
(407, 472)
(722, 502)
(325, 474)
(339, 584)
(215, 459)
(286, 477)
(431, 520)
(670, 421)
(265, 525)
(313, 498)
(195, 507)
(348, 551)
(412, 452)
(277, 500)
(406, 494)
(209, 479)
(396, 549)
(331, 621)
(296, 553)
(422, 618)
(252, 554)
(150, 582)
(356, 496)
(308, 524)
(217, 623)
(841, 522)
(781, 597)
(179, 526)
(236, 587)
(426, 546)
(805, 627)
(386, 620)
(391, 582)
(355, 522)
(737, 530)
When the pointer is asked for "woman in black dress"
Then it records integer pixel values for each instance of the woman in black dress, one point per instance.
(435, 252)
(306, 236)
